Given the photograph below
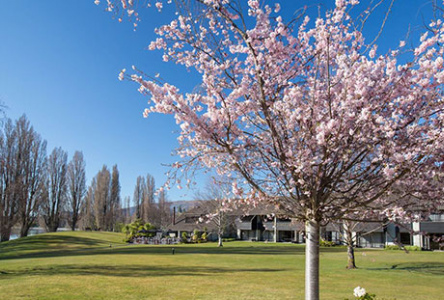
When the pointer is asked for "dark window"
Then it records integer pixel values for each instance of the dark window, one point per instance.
(405, 238)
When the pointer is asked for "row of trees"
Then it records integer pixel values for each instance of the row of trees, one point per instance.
(33, 184)
(101, 209)
(36, 188)
(146, 208)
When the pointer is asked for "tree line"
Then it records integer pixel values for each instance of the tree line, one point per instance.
(146, 209)
(50, 191)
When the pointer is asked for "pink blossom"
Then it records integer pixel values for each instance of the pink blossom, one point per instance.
(253, 4)
(122, 74)
(159, 5)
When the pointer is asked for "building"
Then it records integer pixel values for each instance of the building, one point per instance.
(427, 234)
(196, 219)
(264, 224)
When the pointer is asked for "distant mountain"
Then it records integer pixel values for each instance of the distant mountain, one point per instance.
(183, 205)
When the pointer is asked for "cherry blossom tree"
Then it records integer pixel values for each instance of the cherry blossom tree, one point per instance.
(305, 112)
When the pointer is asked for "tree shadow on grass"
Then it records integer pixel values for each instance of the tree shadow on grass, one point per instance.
(433, 268)
(254, 249)
(153, 250)
(127, 271)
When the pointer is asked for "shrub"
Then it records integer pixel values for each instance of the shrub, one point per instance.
(408, 248)
(324, 243)
(412, 248)
(392, 247)
(195, 237)
(203, 237)
(126, 229)
(138, 228)
(184, 237)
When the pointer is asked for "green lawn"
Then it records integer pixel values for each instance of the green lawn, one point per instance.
(82, 265)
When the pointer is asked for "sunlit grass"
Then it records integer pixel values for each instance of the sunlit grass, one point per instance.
(94, 265)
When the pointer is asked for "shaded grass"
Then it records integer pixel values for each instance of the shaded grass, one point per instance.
(126, 271)
(435, 268)
(81, 265)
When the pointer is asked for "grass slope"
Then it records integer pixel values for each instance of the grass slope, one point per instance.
(82, 265)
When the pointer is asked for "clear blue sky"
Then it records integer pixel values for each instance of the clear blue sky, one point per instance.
(59, 62)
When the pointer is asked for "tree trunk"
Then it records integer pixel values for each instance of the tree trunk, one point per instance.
(74, 222)
(348, 235)
(275, 238)
(5, 234)
(24, 230)
(351, 257)
(219, 243)
(312, 260)
(52, 227)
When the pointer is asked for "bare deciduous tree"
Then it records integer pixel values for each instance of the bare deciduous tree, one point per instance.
(213, 200)
(149, 206)
(77, 187)
(8, 205)
(101, 197)
(114, 200)
(105, 190)
(163, 215)
(138, 196)
(144, 199)
(33, 157)
(88, 219)
(127, 204)
(56, 189)
(23, 155)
